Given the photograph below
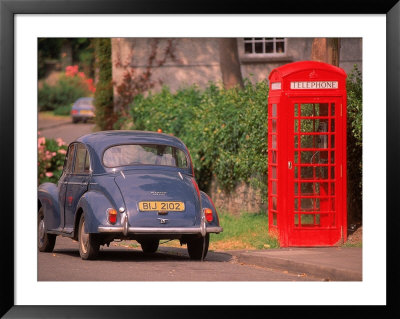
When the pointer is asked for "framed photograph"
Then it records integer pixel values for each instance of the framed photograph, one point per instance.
(23, 22)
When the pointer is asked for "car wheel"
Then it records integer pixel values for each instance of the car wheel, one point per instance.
(46, 241)
(195, 247)
(75, 120)
(150, 245)
(88, 243)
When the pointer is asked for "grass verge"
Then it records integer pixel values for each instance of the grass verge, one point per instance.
(51, 115)
(245, 231)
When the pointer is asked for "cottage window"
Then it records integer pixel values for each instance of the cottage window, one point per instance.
(264, 46)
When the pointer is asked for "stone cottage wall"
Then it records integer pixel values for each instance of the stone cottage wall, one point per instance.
(243, 198)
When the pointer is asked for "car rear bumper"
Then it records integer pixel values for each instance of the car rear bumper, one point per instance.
(159, 230)
(82, 116)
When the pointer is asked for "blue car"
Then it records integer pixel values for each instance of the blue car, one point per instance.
(128, 185)
(82, 110)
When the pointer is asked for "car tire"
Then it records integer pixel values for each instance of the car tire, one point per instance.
(195, 247)
(149, 246)
(88, 243)
(46, 241)
(75, 120)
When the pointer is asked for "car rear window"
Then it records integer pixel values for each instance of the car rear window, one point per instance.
(137, 154)
(83, 103)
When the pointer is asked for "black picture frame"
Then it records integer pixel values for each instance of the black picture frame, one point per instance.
(8, 10)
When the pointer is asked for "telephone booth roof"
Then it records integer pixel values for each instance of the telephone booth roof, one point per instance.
(296, 67)
(308, 71)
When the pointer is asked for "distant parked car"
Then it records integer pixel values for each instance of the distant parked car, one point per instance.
(126, 185)
(82, 109)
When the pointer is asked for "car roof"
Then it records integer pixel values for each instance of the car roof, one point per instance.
(85, 98)
(98, 142)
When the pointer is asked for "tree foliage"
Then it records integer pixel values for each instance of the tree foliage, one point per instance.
(354, 145)
(50, 49)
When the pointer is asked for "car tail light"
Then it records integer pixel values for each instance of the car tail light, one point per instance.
(212, 203)
(196, 187)
(74, 112)
(208, 214)
(112, 215)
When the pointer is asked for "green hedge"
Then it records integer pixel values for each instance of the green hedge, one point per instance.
(63, 110)
(354, 145)
(65, 92)
(224, 130)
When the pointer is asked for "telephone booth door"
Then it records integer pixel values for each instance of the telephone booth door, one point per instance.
(313, 137)
(307, 154)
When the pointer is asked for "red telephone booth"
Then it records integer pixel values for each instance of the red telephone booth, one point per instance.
(307, 154)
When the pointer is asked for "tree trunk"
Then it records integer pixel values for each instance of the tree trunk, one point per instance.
(229, 63)
(66, 54)
(326, 50)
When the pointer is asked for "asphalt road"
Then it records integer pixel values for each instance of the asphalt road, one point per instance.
(167, 264)
(63, 127)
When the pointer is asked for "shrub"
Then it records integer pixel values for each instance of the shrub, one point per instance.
(63, 110)
(354, 145)
(208, 123)
(51, 155)
(103, 98)
(70, 86)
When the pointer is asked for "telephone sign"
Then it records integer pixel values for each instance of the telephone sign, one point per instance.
(314, 85)
(307, 154)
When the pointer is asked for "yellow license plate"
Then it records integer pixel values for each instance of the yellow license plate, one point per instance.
(85, 112)
(161, 206)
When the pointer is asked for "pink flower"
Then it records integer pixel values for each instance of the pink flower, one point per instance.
(41, 141)
(60, 142)
(81, 75)
(49, 174)
(62, 151)
(71, 70)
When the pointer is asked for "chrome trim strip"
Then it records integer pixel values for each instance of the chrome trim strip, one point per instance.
(215, 229)
(158, 230)
(164, 230)
(109, 229)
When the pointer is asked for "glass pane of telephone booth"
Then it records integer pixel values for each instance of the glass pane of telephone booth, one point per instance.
(314, 144)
